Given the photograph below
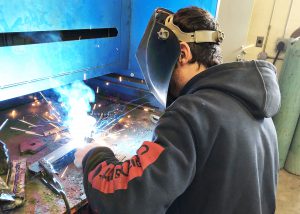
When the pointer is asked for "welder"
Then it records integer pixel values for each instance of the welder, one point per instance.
(214, 150)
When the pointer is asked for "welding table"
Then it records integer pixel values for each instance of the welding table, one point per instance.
(40, 199)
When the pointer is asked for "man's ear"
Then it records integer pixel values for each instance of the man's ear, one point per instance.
(185, 53)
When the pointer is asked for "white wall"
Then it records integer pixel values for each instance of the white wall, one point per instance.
(234, 18)
(284, 21)
(244, 20)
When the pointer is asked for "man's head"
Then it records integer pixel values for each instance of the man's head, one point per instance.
(177, 46)
(194, 57)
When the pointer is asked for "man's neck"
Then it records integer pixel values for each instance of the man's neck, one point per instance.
(183, 75)
(190, 71)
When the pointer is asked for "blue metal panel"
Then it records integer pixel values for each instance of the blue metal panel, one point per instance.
(37, 67)
(125, 34)
(41, 15)
(142, 11)
(30, 68)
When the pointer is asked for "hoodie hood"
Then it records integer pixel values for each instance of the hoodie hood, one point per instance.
(253, 83)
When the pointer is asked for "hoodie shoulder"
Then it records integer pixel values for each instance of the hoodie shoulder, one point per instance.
(270, 83)
(253, 83)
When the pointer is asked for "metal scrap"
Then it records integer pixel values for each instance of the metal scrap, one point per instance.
(5, 194)
(17, 182)
(32, 146)
(17, 186)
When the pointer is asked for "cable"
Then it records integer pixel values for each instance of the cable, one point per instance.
(280, 47)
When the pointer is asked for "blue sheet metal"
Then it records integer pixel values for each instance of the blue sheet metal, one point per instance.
(41, 15)
(29, 68)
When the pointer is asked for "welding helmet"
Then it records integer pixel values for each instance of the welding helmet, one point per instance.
(159, 50)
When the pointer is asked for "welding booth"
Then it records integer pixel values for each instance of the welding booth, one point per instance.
(48, 44)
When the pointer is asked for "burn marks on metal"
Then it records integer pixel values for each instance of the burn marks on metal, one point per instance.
(32, 146)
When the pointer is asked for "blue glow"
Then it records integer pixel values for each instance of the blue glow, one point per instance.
(76, 99)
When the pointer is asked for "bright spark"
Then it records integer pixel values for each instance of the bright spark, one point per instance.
(64, 172)
(13, 114)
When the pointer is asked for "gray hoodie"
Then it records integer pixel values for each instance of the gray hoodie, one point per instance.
(214, 151)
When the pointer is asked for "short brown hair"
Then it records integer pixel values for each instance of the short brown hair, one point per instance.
(191, 19)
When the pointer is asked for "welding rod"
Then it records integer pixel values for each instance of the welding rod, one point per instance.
(3, 124)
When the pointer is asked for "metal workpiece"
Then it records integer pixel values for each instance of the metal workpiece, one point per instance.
(122, 126)
(64, 155)
(15, 197)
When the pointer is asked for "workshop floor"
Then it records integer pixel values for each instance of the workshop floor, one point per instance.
(288, 195)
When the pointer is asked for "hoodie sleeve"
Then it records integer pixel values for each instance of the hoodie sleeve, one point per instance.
(148, 182)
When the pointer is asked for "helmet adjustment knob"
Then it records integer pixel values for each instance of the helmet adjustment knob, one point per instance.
(163, 34)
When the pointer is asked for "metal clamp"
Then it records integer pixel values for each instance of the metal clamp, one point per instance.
(49, 178)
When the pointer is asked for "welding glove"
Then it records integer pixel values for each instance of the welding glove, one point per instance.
(81, 152)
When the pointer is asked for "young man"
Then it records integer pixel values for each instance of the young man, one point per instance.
(214, 149)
